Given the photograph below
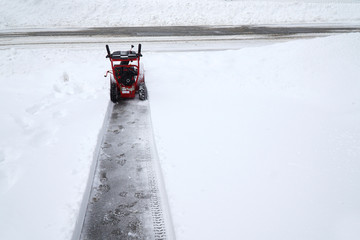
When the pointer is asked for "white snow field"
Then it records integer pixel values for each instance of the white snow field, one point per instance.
(261, 143)
(52, 105)
(84, 13)
(257, 143)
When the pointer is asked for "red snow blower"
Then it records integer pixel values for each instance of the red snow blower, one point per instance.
(127, 75)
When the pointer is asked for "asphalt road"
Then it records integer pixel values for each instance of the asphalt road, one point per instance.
(177, 31)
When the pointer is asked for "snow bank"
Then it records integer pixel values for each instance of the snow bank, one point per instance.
(261, 143)
(53, 103)
(84, 13)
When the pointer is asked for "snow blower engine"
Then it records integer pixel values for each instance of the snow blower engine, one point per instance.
(126, 74)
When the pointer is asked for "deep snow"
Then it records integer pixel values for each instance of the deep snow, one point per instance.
(258, 143)
(261, 143)
(53, 103)
(84, 13)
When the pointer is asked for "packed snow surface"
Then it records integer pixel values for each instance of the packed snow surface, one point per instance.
(100, 13)
(257, 143)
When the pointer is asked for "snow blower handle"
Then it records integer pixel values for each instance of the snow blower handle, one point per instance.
(139, 50)
(108, 51)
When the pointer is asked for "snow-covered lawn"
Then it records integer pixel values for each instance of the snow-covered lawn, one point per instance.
(52, 105)
(258, 143)
(261, 143)
(85, 13)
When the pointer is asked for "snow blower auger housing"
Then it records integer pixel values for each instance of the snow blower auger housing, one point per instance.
(126, 74)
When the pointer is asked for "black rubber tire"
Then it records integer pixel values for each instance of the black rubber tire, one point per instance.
(143, 92)
(114, 92)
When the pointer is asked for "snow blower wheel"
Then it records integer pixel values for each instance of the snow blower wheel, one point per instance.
(114, 90)
(142, 91)
(126, 74)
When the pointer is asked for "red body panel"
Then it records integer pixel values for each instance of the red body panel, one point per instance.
(127, 91)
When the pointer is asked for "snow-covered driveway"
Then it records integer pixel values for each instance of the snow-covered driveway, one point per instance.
(128, 198)
(261, 142)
